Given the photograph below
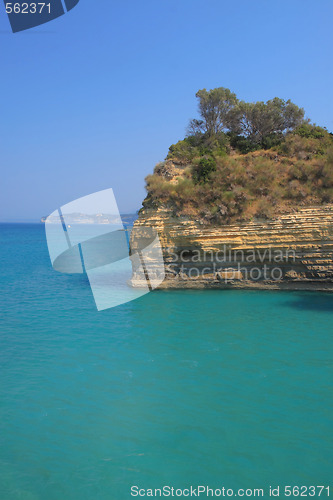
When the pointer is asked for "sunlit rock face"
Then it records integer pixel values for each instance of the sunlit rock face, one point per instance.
(291, 251)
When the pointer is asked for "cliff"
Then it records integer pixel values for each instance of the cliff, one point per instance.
(292, 251)
(263, 219)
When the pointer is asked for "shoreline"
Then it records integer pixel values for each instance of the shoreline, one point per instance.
(311, 286)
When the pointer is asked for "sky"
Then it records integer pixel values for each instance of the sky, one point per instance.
(94, 99)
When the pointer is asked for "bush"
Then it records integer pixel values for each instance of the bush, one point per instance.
(158, 188)
(272, 140)
(243, 144)
(263, 209)
(204, 169)
(185, 189)
(184, 150)
(302, 171)
(303, 148)
(308, 131)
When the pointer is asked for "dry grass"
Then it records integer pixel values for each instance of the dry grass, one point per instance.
(260, 184)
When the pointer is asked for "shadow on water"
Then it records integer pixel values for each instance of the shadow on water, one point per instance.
(309, 301)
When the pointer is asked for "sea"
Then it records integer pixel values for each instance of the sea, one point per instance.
(177, 389)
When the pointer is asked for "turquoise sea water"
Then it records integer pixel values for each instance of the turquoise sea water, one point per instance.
(179, 388)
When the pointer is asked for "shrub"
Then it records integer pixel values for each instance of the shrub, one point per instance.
(184, 150)
(301, 171)
(263, 209)
(243, 144)
(308, 131)
(272, 140)
(204, 169)
(158, 188)
(185, 189)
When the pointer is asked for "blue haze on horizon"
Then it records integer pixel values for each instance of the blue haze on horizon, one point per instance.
(94, 99)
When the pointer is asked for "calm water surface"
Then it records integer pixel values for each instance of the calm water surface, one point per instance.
(225, 388)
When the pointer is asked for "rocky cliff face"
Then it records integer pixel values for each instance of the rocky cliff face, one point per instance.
(292, 251)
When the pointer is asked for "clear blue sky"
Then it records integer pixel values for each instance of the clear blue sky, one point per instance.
(94, 99)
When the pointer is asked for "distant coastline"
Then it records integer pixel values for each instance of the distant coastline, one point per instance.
(128, 218)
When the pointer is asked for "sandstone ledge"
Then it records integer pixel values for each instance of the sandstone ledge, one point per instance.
(303, 240)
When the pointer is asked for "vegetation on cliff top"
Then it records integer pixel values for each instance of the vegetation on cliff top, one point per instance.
(241, 161)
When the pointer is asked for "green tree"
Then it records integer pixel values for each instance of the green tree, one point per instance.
(215, 107)
(259, 120)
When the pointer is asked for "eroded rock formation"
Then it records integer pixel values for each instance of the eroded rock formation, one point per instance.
(292, 251)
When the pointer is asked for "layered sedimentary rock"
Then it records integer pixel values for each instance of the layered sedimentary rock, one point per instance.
(293, 251)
